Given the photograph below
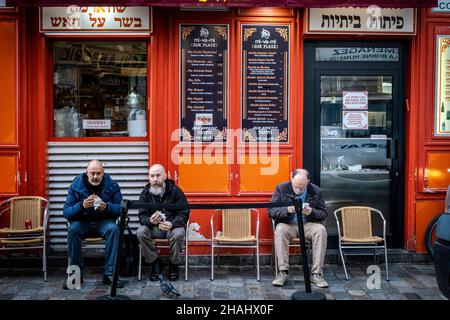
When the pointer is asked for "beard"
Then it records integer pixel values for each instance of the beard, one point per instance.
(95, 183)
(157, 190)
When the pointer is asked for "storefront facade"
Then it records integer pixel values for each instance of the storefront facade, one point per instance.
(230, 101)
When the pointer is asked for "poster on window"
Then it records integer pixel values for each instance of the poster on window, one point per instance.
(355, 120)
(442, 113)
(355, 100)
(265, 78)
(204, 91)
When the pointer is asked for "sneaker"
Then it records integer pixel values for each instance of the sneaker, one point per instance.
(280, 279)
(318, 280)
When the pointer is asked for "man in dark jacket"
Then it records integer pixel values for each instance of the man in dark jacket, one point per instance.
(92, 207)
(313, 213)
(162, 224)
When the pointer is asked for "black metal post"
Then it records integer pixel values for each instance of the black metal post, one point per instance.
(308, 295)
(112, 296)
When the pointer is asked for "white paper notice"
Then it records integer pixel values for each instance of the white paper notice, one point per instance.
(356, 100)
(355, 120)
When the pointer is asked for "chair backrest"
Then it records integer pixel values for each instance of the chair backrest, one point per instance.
(23, 208)
(356, 222)
(236, 223)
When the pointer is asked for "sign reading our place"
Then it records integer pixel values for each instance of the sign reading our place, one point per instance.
(356, 100)
(355, 120)
(95, 124)
(370, 20)
(95, 19)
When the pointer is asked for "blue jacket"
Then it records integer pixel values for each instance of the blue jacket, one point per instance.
(111, 195)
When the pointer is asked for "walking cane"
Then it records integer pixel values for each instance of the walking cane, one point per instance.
(308, 295)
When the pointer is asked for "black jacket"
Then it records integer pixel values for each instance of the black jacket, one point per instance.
(173, 195)
(285, 193)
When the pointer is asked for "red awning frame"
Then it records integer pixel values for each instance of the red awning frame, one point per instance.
(230, 3)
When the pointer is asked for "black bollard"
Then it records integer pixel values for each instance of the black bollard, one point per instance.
(112, 296)
(308, 294)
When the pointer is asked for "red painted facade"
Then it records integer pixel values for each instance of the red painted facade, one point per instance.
(23, 159)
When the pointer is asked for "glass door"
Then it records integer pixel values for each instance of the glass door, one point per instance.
(355, 137)
(353, 130)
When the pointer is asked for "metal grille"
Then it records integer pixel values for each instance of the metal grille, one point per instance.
(125, 162)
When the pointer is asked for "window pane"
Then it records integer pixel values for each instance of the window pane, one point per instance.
(100, 89)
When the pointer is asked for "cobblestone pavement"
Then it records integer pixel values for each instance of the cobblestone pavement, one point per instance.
(407, 282)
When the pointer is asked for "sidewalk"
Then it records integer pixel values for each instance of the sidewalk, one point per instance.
(408, 281)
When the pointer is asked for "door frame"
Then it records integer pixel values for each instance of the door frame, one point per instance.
(312, 118)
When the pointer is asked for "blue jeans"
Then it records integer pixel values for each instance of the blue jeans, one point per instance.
(79, 230)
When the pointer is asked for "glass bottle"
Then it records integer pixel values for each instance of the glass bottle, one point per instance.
(442, 107)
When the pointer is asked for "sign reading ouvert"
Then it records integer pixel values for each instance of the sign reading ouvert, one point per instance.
(75, 19)
(370, 20)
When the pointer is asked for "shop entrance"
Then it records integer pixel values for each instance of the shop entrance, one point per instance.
(353, 128)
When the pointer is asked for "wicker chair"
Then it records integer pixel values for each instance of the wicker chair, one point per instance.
(164, 243)
(293, 243)
(236, 232)
(357, 232)
(21, 234)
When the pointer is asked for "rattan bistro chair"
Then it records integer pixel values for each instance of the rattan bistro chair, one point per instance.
(164, 243)
(357, 232)
(28, 218)
(236, 232)
(293, 243)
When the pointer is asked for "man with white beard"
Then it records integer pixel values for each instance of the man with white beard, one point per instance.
(162, 224)
(92, 207)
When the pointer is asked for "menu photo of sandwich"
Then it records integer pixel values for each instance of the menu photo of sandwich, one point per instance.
(203, 119)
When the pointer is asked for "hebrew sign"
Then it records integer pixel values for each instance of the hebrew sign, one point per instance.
(370, 20)
(95, 19)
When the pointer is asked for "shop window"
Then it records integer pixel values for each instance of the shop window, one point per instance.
(100, 89)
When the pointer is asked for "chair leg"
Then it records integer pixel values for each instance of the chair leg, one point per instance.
(140, 263)
(212, 261)
(218, 256)
(343, 262)
(375, 255)
(186, 260)
(44, 261)
(257, 263)
(386, 261)
(254, 257)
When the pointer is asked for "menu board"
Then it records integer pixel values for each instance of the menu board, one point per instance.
(442, 113)
(204, 67)
(265, 64)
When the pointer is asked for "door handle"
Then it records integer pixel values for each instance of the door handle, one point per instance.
(392, 149)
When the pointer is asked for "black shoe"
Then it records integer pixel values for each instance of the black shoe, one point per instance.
(156, 270)
(65, 287)
(108, 280)
(173, 272)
